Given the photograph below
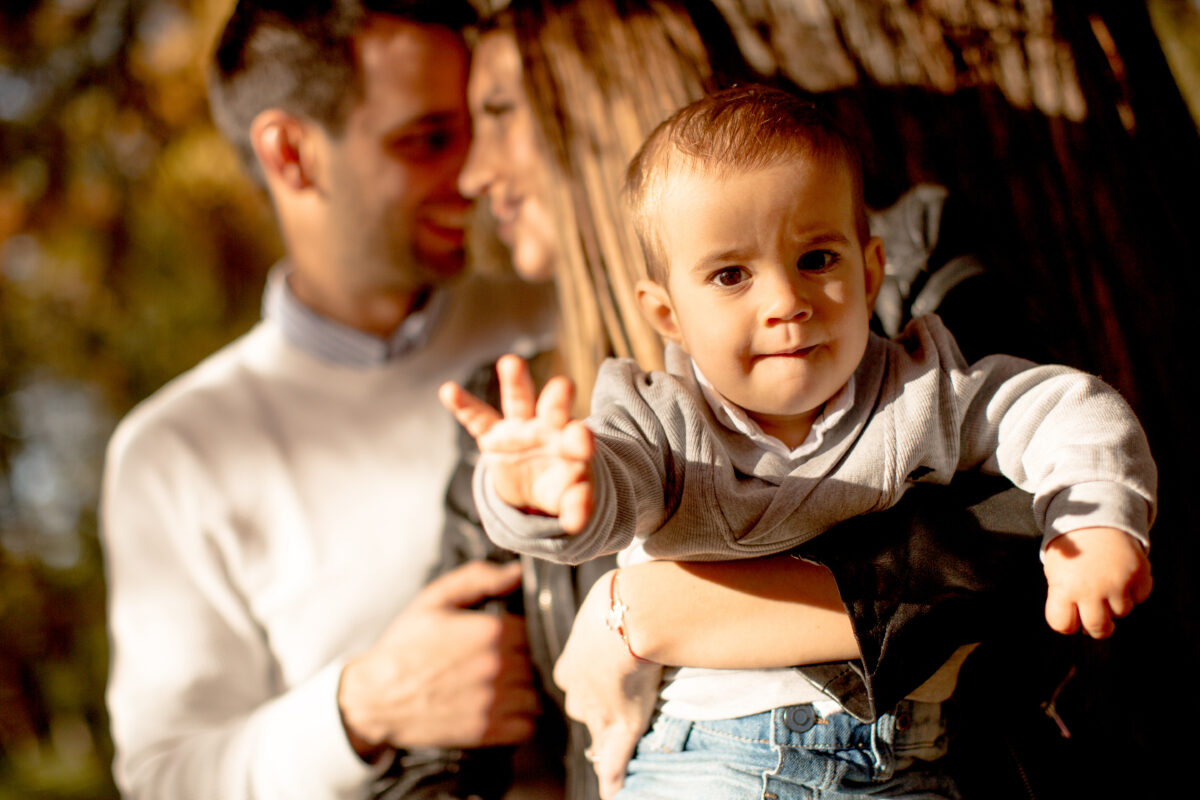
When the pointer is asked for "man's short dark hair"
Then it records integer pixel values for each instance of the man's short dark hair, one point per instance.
(298, 55)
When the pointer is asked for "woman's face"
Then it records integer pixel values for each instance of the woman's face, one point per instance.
(504, 162)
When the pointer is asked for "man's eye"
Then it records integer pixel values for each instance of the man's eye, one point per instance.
(438, 141)
(729, 276)
(427, 144)
(817, 260)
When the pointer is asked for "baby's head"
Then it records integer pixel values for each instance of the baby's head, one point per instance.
(735, 131)
(749, 205)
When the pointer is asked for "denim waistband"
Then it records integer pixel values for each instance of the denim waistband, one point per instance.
(912, 731)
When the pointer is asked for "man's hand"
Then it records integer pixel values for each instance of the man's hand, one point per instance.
(539, 459)
(443, 676)
(1095, 575)
(607, 689)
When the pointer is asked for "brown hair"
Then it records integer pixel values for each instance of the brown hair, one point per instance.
(736, 130)
(298, 56)
(600, 75)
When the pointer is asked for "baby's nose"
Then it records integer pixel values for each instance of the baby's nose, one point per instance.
(785, 301)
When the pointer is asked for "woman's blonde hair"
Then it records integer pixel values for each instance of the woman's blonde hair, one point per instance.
(601, 75)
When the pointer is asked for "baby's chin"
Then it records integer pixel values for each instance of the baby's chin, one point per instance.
(799, 408)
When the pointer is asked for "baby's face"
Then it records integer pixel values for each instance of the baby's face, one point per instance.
(770, 288)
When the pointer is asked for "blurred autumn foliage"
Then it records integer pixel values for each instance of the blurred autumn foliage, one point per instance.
(131, 246)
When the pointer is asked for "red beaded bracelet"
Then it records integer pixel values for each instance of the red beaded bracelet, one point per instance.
(615, 619)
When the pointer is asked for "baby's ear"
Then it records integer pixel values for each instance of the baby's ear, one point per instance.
(656, 306)
(873, 260)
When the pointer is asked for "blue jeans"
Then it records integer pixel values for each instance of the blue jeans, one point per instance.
(790, 753)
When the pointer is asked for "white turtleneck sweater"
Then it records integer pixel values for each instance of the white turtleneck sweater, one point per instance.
(265, 516)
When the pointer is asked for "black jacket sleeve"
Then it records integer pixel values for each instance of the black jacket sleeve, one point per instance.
(945, 567)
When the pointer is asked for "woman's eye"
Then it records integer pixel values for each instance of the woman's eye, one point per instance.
(817, 260)
(729, 276)
(498, 109)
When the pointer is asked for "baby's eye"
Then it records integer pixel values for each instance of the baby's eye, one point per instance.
(728, 276)
(817, 260)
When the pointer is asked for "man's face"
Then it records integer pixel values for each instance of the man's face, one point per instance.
(390, 178)
(770, 288)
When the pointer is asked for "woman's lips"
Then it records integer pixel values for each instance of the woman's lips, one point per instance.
(504, 229)
(505, 211)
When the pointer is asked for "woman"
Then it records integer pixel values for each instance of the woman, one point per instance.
(556, 118)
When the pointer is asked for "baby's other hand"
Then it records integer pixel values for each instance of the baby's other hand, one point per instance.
(1094, 576)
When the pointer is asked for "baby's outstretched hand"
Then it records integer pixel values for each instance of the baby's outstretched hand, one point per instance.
(539, 459)
(1094, 576)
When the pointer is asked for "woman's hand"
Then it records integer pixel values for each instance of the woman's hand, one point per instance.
(608, 689)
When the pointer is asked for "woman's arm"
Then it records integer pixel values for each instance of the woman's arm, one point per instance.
(734, 614)
(720, 615)
(904, 589)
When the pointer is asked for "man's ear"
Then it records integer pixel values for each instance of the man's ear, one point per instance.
(656, 306)
(280, 143)
(873, 271)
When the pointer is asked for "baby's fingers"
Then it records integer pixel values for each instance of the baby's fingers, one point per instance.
(575, 507)
(471, 412)
(1061, 613)
(1096, 618)
(517, 392)
(1135, 591)
(578, 442)
(1143, 581)
(554, 403)
(1120, 604)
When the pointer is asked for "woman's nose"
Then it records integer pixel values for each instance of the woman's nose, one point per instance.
(477, 173)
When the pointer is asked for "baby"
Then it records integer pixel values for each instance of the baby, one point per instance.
(780, 413)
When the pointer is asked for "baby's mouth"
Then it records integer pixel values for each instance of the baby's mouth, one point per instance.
(798, 352)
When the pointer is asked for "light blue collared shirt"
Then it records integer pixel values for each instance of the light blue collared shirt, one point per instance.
(341, 344)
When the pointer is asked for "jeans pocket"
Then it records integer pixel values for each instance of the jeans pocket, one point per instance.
(667, 735)
(920, 731)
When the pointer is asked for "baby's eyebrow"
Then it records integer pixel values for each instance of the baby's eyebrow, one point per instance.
(823, 239)
(725, 256)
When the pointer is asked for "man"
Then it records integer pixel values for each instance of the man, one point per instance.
(270, 517)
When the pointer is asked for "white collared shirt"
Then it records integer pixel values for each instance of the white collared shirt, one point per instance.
(735, 418)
